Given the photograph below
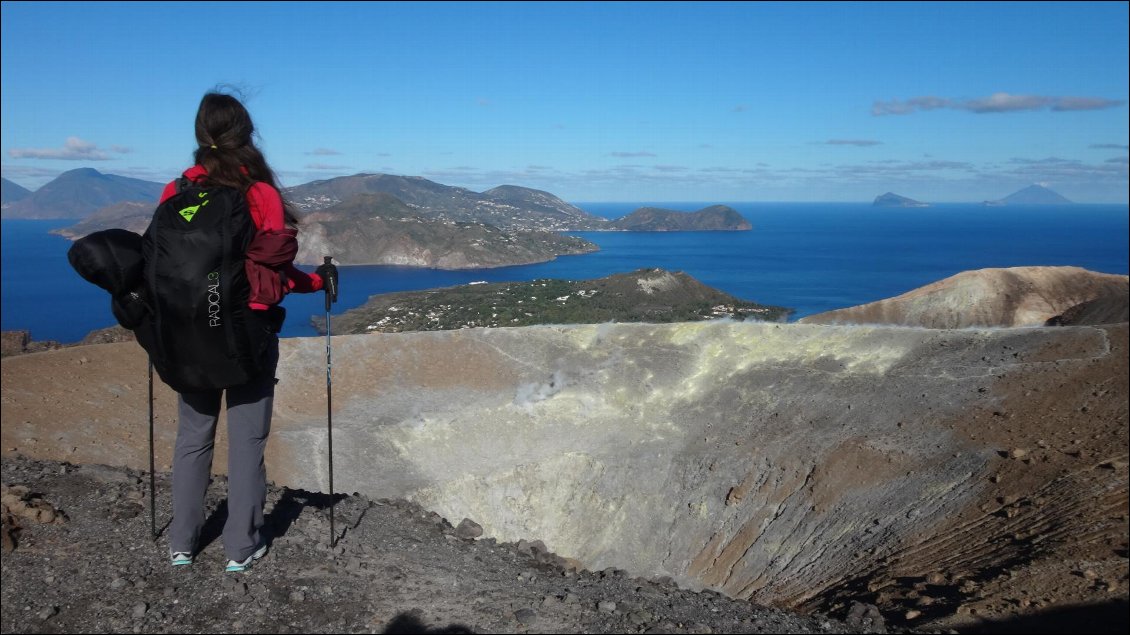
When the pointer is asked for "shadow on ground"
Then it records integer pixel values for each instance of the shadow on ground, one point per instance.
(1108, 617)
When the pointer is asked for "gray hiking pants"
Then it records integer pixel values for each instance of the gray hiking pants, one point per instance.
(249, 423)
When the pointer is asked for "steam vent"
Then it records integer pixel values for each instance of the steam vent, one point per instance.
(793, 464)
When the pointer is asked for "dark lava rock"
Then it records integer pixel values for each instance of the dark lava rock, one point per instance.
(394, 570)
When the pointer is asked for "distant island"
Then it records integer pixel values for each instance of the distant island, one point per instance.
(646, 295)
(1031, 195)
(890, 199)
(654, 219)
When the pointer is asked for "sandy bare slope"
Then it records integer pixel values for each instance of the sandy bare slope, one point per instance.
(1017, 296)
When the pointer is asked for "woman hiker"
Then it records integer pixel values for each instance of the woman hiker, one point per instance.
(226, 155)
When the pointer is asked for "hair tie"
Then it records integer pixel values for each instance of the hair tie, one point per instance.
(214, 147)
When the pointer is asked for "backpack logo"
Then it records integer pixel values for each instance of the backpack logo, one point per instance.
(189, 212)
(214, 299)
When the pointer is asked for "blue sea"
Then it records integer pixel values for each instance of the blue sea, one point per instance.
(812, 257)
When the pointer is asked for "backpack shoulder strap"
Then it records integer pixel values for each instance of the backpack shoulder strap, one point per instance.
(182, 184)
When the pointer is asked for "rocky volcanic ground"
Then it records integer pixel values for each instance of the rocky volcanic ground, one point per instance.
(1045, 551)
(84, 562)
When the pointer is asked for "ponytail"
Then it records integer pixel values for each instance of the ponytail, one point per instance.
(226, 148)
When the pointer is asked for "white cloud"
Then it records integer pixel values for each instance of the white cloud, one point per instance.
(1046, 161)
(996, 103)
(1084, 103)
(13, 172)
(75, 149)
(1069, 171)
(896, 169)
(1004, 102)
(323, 152)
(29, 176)
(853, 142)
(897, 107)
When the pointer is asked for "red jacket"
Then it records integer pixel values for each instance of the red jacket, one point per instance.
(270, 256)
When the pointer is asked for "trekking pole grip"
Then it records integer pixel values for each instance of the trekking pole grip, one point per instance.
(329, 281)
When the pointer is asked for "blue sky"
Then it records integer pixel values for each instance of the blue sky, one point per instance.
(941, 102)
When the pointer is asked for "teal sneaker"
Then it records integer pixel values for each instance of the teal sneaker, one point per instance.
(181, 558)
(235, 567)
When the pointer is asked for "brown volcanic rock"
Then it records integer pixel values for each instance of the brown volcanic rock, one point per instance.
(20, 342)
(1017, 296)
(14, 342)
(1107, 309)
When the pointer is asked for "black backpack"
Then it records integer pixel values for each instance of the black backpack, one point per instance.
(199, 332)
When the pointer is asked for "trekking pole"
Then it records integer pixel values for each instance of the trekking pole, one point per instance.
(152, 463)
(330, 287)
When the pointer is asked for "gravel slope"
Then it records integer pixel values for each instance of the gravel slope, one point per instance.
(396, 568)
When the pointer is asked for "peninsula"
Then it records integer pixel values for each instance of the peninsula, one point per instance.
(646, 295)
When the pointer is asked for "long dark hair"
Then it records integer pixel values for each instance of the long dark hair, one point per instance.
(226, 147)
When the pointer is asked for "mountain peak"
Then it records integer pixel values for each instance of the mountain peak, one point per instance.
(80, 172)
(1032, 195)
(80, 192)
(12, 192)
